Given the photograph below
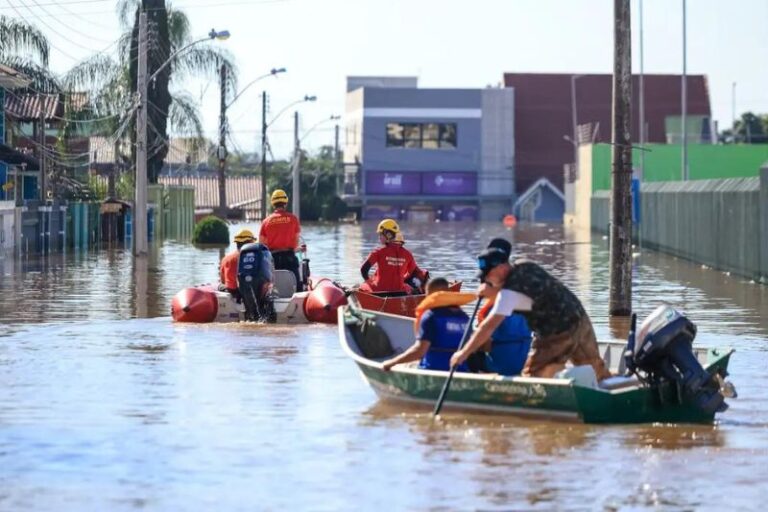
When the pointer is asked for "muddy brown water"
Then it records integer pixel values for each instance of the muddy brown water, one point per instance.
(107, 405)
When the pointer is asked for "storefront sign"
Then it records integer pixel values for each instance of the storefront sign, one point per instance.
(449, 183)
(392, 183)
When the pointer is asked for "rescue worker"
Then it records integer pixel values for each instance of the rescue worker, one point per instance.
(420, 277)
(394, 264)
(280, 232)
(228, 268)
(440, 327)
(561, 327)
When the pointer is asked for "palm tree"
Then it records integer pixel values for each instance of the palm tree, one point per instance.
(112, 83)
(24, 48)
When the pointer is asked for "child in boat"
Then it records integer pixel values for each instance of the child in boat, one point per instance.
(440, 326)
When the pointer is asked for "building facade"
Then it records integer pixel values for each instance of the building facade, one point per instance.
(555, 112)
(428, 154)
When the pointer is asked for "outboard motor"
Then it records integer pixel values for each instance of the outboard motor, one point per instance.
(254, 281)
(664, 351)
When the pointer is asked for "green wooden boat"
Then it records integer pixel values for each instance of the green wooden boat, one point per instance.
(369, 337)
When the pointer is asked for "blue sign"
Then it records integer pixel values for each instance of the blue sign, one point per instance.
(635, 187)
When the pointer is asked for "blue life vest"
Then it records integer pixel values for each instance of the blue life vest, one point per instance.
(443, 328)
(510, 344)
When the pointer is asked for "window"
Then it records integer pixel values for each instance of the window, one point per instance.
(395, 135)
(422, 135)
(412, 135)
(448, 136)
(430, 136)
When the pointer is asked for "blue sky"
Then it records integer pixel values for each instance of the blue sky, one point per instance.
(446, 43)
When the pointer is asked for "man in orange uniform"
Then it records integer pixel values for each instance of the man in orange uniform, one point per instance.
(394, 264)
(420, 277)
(280, 232)
(228, 269)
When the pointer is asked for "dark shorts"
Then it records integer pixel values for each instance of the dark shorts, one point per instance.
(578, 345)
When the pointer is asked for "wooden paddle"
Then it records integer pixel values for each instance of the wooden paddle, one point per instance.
(444, 391)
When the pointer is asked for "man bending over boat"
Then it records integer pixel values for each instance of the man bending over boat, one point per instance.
(394, 264)
(561, 327)
(510, 342)
(440, 325)
(228, 268)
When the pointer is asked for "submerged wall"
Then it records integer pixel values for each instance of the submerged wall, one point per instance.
(720, 223)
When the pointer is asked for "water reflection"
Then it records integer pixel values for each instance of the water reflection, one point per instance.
(681, 437)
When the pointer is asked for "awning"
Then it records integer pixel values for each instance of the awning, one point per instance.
(15, 157)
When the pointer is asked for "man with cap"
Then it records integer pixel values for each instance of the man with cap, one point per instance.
(561, 327)
(228, 268)
(280, 232)
(510, 343)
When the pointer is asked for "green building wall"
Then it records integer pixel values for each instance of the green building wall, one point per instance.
(663, 162)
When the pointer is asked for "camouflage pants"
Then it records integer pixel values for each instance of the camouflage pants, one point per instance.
(578, 345)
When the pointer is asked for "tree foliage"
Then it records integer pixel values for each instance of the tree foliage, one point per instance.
(211, 230)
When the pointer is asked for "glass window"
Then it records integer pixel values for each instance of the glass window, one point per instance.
(448, 135)
(412, 132)
(430, 134)
(395, 137)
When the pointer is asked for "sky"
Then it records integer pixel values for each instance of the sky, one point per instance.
(446, 43)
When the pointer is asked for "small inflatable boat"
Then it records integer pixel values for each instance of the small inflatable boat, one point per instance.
(265, 295)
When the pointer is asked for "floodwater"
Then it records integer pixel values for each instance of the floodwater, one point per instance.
(107, 405)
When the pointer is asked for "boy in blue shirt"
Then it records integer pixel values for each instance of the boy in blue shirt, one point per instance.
(440, 329)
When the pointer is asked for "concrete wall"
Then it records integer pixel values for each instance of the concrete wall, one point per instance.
(719, 223)
(662, 162)
(496, 177)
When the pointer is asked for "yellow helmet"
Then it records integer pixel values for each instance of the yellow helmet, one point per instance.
(244, 236)
(279, 196)
(388, 225)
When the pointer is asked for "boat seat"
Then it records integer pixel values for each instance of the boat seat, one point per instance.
(371, 339)
(582, 376)
(284, 283)
(619, 382)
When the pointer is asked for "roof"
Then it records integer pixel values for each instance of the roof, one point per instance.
(543, 115)
(12, 79)
(29, 106)
(13, 156)
(239, 189)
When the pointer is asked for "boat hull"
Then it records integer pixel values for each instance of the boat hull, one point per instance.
(560, 399)
(403, 306)
(206, 304)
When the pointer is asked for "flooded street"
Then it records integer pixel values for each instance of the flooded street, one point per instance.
(105, 404)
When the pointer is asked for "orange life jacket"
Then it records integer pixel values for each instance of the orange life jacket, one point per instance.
(441, 300)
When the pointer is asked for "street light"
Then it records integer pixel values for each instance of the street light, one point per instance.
(273, 72)
(140, 221)
(322, 121)
(264, 126)
(222, 153)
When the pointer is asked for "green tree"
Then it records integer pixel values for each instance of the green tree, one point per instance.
(112, 83)
(25, 48)
(751, 128)
(318, 185)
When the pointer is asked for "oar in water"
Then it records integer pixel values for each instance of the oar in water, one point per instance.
(444, 391)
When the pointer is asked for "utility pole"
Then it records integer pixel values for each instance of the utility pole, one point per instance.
(263, 155)
(140, 206)
(223, 144)
(641, 104)
(296, 167)
(41, 136)
(685, 99)
(336, 155)
(620, 302)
